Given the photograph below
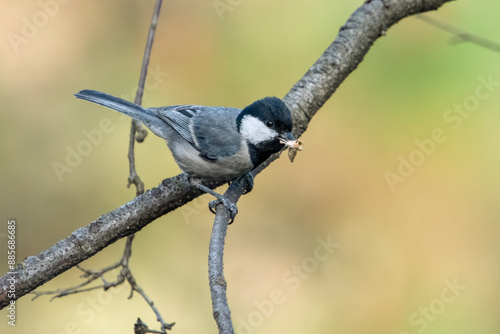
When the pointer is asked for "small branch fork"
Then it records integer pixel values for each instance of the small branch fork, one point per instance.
(137, 132)
(125, 274)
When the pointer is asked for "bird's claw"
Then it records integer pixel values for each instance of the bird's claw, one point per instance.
(233, 209)
(248, 179)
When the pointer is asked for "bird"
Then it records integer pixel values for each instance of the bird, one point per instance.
(212, 143)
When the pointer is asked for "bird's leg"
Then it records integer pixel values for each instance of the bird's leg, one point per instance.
(248, 179)
(233, 209)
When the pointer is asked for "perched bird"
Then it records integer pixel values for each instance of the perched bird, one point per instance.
(212, 143)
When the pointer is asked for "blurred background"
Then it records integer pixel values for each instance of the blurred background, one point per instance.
(387, 222)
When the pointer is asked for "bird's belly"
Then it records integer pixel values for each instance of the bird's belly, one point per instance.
(225, 168)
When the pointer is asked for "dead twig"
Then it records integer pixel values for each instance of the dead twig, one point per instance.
(137, 132)
(460, 35)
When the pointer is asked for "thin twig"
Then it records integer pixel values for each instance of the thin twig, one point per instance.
(136, 126)
(460, 35)
(135, 287)
(125, 273)
(141, 328)
(98, 273)
(133, 177)
(80, 287)
(147, 52)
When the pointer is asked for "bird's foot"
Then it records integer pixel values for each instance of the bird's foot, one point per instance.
(233, 209)
(248, 182)
(248, 179)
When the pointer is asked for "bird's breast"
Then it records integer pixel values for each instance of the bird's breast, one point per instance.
(223, 168)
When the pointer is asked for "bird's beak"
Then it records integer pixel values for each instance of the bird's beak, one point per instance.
(285, 137)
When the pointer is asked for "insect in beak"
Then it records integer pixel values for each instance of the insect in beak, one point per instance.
(294, 145)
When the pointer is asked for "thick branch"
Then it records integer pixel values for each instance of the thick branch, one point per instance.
(355, 38)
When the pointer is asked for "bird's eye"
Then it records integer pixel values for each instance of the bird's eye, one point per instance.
(270, 124)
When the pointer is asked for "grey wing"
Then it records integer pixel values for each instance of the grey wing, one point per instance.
(211, 130)
(180, 118)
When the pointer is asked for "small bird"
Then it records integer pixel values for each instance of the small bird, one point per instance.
(212, 143)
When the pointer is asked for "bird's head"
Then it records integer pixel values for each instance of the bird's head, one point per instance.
(262, 124)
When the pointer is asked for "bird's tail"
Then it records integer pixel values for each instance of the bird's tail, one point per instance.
(146, 116)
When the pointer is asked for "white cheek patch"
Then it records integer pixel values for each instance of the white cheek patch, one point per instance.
(254, 131)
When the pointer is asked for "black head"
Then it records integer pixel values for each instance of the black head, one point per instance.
(269, 110)
(262, 124)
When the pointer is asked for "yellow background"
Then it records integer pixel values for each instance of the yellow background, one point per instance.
(396, 252)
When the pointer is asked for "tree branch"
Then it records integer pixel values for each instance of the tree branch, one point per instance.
(136, 128)
(135, 125)
(216, 280)
(355, 38)
(306, 97)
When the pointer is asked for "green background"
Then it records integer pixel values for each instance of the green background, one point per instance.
(396, 252)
